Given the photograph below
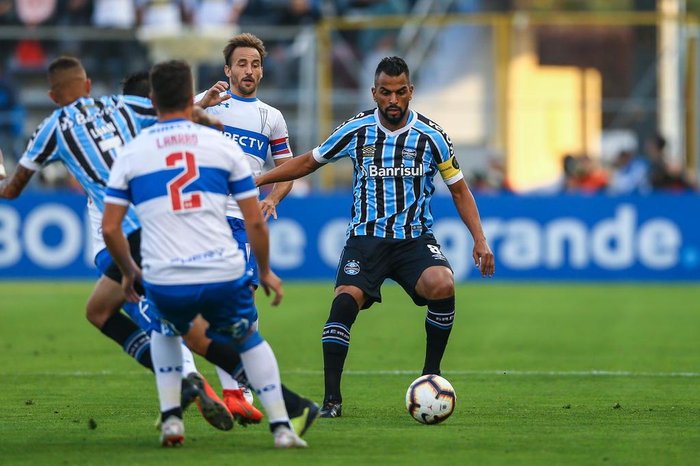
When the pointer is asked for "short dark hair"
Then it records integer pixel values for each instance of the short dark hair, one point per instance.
(136, 84)
(244, 40)
(392, 66)
(64, 63)
(171, 85)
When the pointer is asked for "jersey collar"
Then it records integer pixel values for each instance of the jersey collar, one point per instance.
(412, 117)
(242, 99)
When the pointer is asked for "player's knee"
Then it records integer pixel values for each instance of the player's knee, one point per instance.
(97, 313)
(436, 283)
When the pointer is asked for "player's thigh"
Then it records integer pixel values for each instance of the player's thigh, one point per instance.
(196, 338)
(110, 269)
(364, 265)
(106, 299)
(423, 271)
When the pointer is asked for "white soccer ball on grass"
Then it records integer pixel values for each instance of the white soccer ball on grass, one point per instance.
(430, 399)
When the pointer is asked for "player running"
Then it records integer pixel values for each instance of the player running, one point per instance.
(191, 263)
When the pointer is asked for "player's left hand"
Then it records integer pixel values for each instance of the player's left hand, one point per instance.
(128, 281)
(483, 258)
(268, 208)
(215, 95)
(270, 282)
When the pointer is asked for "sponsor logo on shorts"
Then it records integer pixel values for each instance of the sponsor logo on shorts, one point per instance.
(352, 268)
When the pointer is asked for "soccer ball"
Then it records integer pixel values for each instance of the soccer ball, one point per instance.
(430, 399)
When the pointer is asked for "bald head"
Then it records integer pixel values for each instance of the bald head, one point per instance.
(67, 80)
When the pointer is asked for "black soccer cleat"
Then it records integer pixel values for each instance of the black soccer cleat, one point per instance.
(189, 393)
(306, 416)
(331, 408)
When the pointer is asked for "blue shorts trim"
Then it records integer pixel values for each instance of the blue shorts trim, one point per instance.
(239, 234)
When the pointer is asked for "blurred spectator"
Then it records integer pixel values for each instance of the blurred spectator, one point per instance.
(282, 64)
(202, 13)
(118, 14)
(589, 176)
(11, 118)
(630, 174)
(160, 16)
(663, 174)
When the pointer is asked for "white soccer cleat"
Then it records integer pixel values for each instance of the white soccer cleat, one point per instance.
(286, 438)
(172, 432)
(248, 394)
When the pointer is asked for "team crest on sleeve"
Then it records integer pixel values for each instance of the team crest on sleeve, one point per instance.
(352, 267)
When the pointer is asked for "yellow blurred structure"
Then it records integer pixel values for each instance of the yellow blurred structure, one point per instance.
(551, 111)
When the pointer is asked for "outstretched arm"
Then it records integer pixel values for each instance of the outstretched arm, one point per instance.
(469, 213)
(291, 170)
(11, 187)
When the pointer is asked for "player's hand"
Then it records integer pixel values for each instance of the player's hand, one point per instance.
(203, 118)
(215, 95)
(483, 258)
(268, 208)
(270, 282)
(128, 281)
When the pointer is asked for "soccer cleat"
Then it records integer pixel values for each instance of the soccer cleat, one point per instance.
(243, 412)
(331, 408)
(286, 438)
(248, 394)
(210, 405)
(303, 421)
(189, 393)
(172, 432)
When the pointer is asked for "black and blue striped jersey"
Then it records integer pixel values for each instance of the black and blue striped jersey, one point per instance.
(85, 136)
(393, 172)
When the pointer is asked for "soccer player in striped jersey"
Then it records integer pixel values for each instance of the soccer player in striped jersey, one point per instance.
(396, 153)
(261, 132)
(84, 134)
(191, 263)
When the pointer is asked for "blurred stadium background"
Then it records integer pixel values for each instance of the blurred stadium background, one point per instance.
(575, 121)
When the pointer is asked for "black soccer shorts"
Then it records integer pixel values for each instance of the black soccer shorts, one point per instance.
(367, 261)
(113, 271)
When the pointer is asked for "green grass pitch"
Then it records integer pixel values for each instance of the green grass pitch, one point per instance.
(545, 374)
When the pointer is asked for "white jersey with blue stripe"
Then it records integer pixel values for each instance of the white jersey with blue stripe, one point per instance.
(180, 190)
(86, 135)
(393, 172)
(258, 128)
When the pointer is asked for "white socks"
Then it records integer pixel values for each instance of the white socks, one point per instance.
(166, 353)
(263, 375)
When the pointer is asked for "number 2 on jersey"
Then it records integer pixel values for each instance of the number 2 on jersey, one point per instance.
(179, 200)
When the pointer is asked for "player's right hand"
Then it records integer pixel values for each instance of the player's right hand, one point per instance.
(271, 282)
(215, 95)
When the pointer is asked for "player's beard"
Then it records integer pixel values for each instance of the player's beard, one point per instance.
(394, 120)
(245, 89)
